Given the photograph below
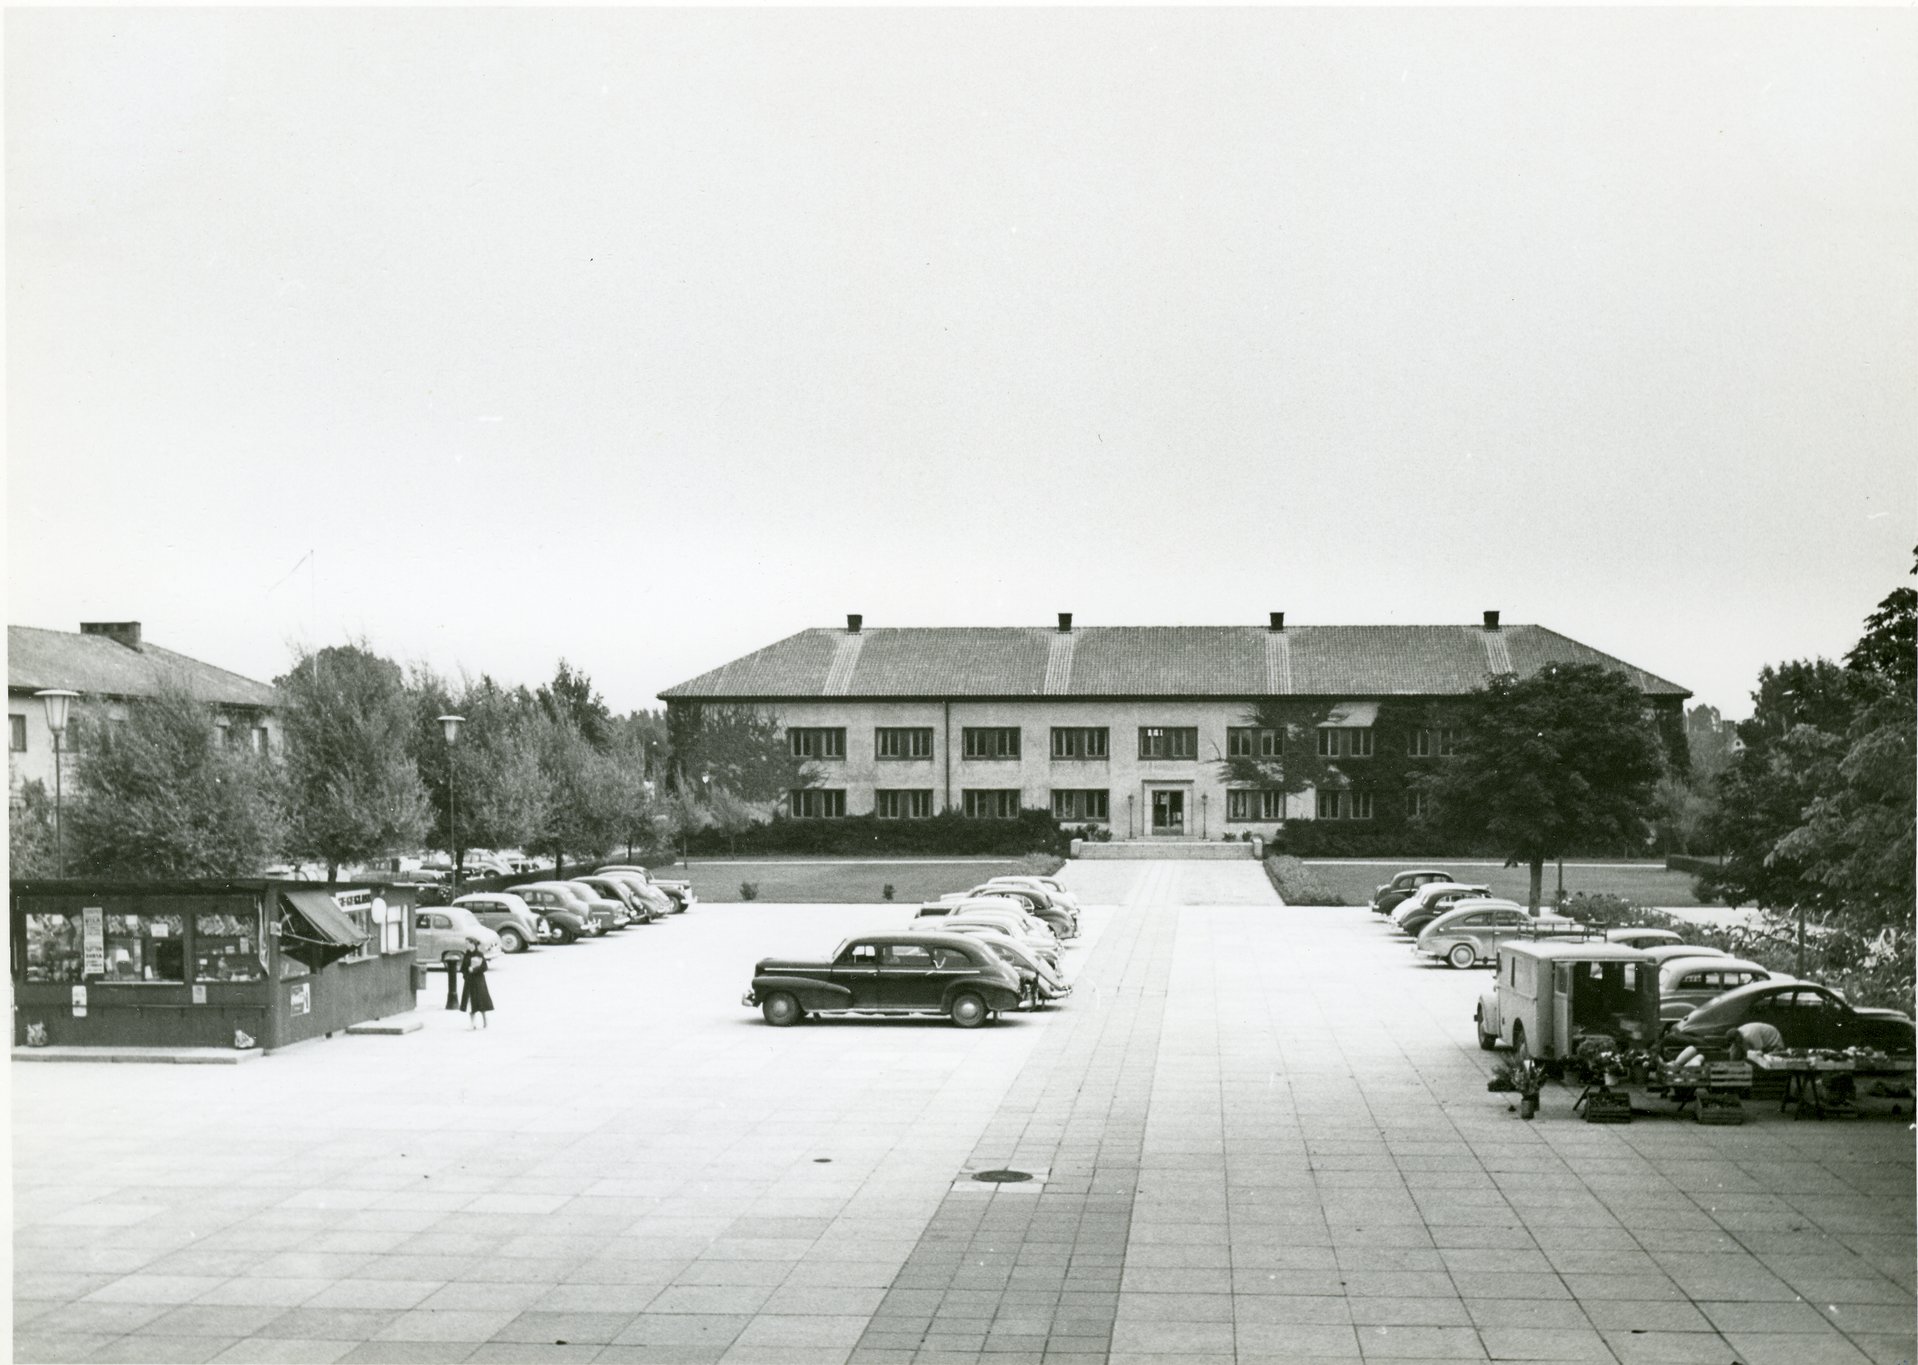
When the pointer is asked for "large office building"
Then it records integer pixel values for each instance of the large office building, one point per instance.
(1173, 732)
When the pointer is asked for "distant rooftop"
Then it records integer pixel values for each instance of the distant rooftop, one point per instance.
(114, 661)
(1145, 661)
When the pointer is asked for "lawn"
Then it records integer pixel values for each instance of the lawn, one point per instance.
(848, 881)
(1646, 883)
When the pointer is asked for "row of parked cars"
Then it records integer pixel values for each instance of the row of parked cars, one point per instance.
(1558, 981)
(555, 911)
(969, 955)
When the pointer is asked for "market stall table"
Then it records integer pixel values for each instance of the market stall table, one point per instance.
(1809, 1076)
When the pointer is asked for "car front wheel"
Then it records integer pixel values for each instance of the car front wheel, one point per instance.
(1462, 956)
(968, 1010)
(781, 1010)
(1486, 1041)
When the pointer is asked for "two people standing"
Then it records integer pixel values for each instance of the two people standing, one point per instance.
(476, 997)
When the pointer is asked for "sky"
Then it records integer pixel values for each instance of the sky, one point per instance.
(645, 338)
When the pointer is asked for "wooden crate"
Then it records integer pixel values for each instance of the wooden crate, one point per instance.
(1608, 1106)
(1719, 1107)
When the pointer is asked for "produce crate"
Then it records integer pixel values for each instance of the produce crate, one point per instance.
(1608, 1106)
(1719, 1107)
(1728, 1076)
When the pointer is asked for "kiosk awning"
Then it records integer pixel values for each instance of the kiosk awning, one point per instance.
(328, 934)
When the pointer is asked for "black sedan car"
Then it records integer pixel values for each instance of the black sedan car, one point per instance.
(1387, 898)
(1805, 1014)
(900, 973)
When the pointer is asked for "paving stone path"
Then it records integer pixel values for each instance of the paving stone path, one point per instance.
(1260, 1133)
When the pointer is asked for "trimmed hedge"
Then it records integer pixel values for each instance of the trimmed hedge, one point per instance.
(1297, 885)
(1035, 831)
(1685, 862)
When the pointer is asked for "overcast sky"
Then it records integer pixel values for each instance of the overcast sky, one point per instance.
(647, 338)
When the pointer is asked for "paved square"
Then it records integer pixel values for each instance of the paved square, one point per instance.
(1263, 1133)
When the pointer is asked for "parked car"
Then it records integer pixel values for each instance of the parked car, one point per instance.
(611, 913)
(1665, 952)
(516, 922)
(1550, 994)
(1685, 983)
(899, 973)
(1044, 981)
(1642, 936)
(1805, 1013)
(1050, 885)
(1387, 898)
(655, 899)
(444, 933)
(547, 897)
(1432, 900)
(1470, 932)
(1007, 915)
(639, 909)
(1038, 904)
(679, 892)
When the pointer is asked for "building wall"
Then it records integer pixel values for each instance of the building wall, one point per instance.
(1129, 779)
(35, 762)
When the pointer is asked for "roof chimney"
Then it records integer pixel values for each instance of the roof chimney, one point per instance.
(1065, 623)
(1277, 622)
(852, 622)
(1491, 620)
(120, 632)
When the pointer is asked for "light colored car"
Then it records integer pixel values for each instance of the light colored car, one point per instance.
(516, 922)
(1665, 952)
(639, 910)
(444, 932)
(1470, 932)
(1550, 994)
(1044, 980)
(679, 892)
(1051, 885)
(655, 899)
(1685, 983)
(1641, 936)
(1432, 900)
(613, 914)
(1387, 898)
(1007, 916)
(1053, 903)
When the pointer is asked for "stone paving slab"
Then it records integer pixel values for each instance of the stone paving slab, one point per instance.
(1261, 1134)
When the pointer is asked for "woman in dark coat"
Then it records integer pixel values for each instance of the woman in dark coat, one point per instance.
(476, 998)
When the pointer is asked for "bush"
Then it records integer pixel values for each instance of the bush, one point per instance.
(1297, 885)
(1698, 867)
(886, 891)
(1034, 831)
(749, 891)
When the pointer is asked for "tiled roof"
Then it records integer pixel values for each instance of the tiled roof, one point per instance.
(100, 666)
(1145, 661)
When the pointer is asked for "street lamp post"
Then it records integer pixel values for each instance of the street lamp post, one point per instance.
(450, 727)
(56, 700)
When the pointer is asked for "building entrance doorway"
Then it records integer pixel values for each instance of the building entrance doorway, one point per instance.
(1168, 812)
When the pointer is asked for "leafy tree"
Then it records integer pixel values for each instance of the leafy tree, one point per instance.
(1889, 646)
(30, 833)
(1298, 766)
(1552, 762)
(582, 811)
(165, 798)
(570, 697)
(742, 749)
(492, 771)
(1712, 741)
(356, 792)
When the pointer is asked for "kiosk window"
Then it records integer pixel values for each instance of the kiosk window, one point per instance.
(53, 948)
(146, 947)
(228, 948)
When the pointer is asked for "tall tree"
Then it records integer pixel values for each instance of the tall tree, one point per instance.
(1553, 762)
(583, 808)
(30, 835)
(570, 697)
(356, 792)
(490, 777)
(1889, 646)
(161, 796)
(1295, 764)
(740, 748)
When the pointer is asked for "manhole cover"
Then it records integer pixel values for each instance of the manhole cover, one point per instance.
(1002, 1177)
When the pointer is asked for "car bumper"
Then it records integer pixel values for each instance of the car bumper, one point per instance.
(749, 998)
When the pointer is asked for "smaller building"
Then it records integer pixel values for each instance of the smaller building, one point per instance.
(194, 964)
(110, 664)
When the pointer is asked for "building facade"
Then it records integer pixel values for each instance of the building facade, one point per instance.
(1167, 732)
(111, 665)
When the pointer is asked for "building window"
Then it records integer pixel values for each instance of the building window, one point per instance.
(1358, 806)
(1417, 805)
(818, 743)
(992, 741)
(1418, 743)
(985, 804)
(1254, 805)
(262, 741)
(818, 803)
(899, 804)
(1356, 744)
(1329, 805)
(1080, 741)
(1244, 741)
(1081, 804)
(17, 734)
(1447, 743)
(1168, 741)
(903, 741)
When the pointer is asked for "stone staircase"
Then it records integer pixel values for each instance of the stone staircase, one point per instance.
(1192, 849)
